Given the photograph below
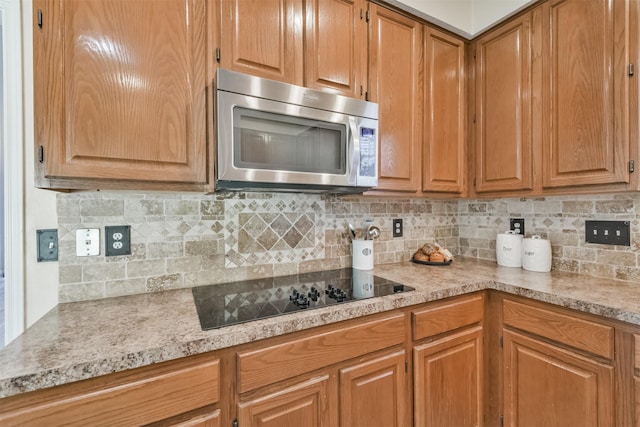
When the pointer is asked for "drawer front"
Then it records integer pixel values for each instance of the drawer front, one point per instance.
(446, 317)
(582, 334)
(141, 398)
(257, 368)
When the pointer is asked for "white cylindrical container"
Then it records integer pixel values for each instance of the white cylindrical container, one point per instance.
(536, 254)
(509, 249)
(362, 284)
(362, 252)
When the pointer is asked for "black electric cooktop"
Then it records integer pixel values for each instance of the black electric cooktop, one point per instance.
(238, 302)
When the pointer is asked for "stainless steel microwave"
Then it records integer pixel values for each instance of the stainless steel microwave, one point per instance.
(273, 136)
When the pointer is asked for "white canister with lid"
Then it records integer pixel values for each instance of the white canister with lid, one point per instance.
(509, 249)
(536, 254)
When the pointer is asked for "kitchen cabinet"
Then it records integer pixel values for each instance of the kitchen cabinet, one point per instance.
(304, 404)
(395, 83)
(335, 46)
(448, 367)
(262, 38)
(445, 94)
(374, 392)
(120, 93)
(585, 92)
(291, 382)
(504, 105)
(550, 355)
(136, 397)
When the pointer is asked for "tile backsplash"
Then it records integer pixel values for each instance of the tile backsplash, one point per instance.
(185, 240)
(561, 219)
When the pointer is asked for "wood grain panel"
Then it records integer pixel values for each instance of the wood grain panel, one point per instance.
(374, 392)
(201, 418)
(141, 399)
(336, 46)
(548, 386)
(585, 91)
(303, 404)
(395, 66)
(439, 318)
(262, 38)
(123, 89)
(636, 351)
(504, 133)
(563, 328)
(444, 150)
(448, 381)
(257, 368)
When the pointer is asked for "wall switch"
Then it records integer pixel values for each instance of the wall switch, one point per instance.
(397, 227)
(517, 225)
(47, 245)
(117, 240)
(88, 241)
(608, 232)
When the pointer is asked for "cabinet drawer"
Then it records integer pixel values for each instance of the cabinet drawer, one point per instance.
(134, 399)
(257, 368)
(447, 316)
(564, 328)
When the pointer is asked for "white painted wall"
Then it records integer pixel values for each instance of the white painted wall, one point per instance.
(488, 12)
(1, 162)
(41, 279)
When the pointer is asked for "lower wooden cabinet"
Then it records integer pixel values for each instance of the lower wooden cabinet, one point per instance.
(373, 393)
(448, 381)
(547, 385)
(303, 404)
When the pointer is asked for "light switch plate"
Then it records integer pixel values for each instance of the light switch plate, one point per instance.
(47, 245)
(88, 241)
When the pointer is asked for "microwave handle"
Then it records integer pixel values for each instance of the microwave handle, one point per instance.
(353, 142)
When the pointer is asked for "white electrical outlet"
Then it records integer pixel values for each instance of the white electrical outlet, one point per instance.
(87, 241)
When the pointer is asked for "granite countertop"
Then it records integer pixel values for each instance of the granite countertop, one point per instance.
(83, 340)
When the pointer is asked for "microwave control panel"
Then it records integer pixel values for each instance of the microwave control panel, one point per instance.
(368, 146)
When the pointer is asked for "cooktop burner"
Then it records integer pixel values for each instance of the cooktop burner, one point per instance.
(238, 302)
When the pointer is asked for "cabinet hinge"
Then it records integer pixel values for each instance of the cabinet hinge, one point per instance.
(474, 54)
(41, 154)
(406, 366)
(361, 14)
(632, 166)
(631, 70)
(474, 119)
(474, 182)
(368, 15)
(501, 420)
(234, 423)
(218, 54)
(501, 342)
(366, 96)
(39, 17)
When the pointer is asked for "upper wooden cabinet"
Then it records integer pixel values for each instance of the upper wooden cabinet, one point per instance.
(335, 46)
(120, 91)
(585, 92)
(395, 64)
(443, 154)
(503, 127)
(262, 38)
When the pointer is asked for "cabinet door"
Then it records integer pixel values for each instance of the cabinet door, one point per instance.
(120, 89)
(504, 134)
(395, 63)
(336, 46)
(262, 38)
(208, 419)
(448, 381)
(585, 92)
(545, 385)
(304, 404)
(373, 393)
(444, 116)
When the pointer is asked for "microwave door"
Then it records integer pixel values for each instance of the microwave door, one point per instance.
(270, 142)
